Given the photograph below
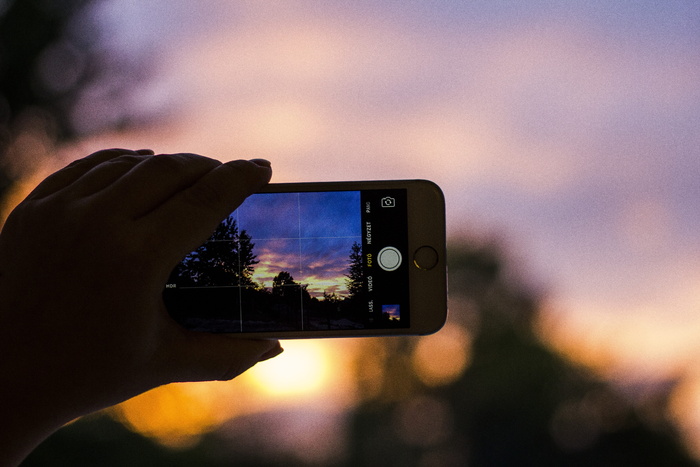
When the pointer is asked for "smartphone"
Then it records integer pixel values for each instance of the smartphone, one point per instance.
(327, 259)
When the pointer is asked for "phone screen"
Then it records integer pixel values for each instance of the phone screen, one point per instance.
(299, 261)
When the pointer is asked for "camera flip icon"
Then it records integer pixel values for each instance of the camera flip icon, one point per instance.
(388, 202)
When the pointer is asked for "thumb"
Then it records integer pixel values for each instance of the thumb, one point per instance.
(206, 357)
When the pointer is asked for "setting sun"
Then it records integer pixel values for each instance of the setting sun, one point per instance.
(302, 370)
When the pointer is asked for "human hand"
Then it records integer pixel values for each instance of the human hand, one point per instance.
(83, 262)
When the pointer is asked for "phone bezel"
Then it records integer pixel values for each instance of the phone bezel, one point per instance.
(426, 227)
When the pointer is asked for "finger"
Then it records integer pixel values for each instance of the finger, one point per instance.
(76, 169)
(189, 217)
(154, 181)
(206, 357)
(102, 176)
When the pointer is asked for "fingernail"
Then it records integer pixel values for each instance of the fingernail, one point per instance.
(262, 162)
(272, 353)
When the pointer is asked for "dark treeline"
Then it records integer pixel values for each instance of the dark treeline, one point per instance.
(219, 278)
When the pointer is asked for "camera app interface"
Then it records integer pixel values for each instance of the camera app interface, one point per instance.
(303, 261)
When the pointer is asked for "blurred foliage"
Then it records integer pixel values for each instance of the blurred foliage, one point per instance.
(29, 31)
(515, 403)
(59, 79)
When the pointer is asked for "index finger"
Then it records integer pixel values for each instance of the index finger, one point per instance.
(78, 168)
(188, 218)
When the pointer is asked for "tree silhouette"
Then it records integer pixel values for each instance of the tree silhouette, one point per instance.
(226, 259)
(282, 283)
(331, 297)
(247, 259)
(284, 286)
(355, 276)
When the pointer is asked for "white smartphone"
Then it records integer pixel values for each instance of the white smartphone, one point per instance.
(327, 259)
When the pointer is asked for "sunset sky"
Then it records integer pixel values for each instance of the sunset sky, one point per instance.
(309, 235)
(570, 131)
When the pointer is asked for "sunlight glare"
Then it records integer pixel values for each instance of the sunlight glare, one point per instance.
(303, 370)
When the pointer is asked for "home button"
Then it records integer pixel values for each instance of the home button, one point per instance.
(425, 257)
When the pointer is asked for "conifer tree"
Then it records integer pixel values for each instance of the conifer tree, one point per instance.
(355, 276)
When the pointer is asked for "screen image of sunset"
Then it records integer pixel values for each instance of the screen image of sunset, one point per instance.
(290, 261)
(280, 262)
(308, 235)
(392, 311)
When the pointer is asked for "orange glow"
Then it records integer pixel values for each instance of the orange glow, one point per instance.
(28, 156)
(685, 410)
(304, 369)
(177, 414)
(15, 195)
(617, 346)
(580, 344)
(441, 358)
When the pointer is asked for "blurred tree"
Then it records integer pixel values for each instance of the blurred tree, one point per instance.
(517, 402)
(58, 80)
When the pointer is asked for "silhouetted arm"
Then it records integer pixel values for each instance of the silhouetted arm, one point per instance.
(83, 262)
